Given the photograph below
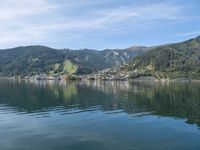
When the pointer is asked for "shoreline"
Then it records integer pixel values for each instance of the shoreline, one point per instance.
(89, 78)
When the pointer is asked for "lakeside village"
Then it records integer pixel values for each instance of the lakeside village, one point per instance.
(107, 74)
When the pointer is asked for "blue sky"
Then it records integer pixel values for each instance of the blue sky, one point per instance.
(97, 24)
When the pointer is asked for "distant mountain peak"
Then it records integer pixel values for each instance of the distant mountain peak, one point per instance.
(135, 48)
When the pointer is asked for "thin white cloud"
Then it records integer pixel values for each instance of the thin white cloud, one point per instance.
(15, 9)
(160, 11)
(29, 21)
(192, 33)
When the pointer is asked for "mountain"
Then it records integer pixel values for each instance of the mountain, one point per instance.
(179, 60)
(92, 60)
(32, 60)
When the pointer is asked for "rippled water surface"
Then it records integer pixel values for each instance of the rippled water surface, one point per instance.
(99, 116)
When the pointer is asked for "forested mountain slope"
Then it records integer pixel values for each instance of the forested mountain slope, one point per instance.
(31, 60)
(179, 60)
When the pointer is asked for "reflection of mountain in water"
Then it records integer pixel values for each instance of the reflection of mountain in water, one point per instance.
(175, 100)
(33, 96)
(180, 100)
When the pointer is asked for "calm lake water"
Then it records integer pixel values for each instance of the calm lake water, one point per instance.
(99, 116)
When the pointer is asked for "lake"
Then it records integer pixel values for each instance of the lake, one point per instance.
(99, 115)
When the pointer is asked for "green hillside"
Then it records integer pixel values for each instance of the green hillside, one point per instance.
(33, 60)
(180, 60)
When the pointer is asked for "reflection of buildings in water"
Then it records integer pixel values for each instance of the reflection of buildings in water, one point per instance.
(119, 87)
(108, 86)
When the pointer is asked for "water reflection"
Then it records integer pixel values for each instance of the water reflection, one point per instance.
(179, 100)
(99, 115)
